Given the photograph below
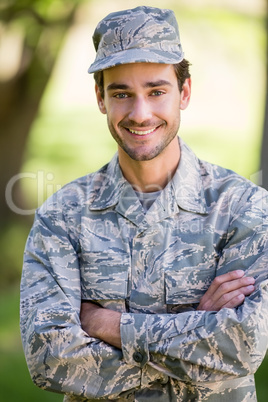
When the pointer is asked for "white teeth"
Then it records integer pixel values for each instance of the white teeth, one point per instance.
(141, 132)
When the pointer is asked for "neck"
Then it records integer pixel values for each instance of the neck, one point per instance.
(152, 175)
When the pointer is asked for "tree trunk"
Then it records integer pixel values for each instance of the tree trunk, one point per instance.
(19, 103)
(20, 96)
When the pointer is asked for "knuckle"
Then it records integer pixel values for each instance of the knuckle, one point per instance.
(225, 298)
(224, 287)
(217, 281)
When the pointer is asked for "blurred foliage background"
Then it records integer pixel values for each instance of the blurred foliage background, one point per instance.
(52, 132)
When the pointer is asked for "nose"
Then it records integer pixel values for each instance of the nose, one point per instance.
(140, 110)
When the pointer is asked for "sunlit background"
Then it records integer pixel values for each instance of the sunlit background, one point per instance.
(225, 41)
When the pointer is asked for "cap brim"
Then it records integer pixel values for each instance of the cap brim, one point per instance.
(137, 55)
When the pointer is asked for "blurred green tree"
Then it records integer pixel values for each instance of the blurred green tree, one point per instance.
(31, 32)
(264, 148)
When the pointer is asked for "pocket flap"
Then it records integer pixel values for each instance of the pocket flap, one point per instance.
(187, 285)
(105, 279)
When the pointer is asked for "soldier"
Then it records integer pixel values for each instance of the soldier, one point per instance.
(147, 280)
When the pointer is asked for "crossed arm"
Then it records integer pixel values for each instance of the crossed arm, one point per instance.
(228, 290)
(55, 344)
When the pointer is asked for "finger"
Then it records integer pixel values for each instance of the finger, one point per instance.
(235, 302)
(225, 293)
(227, 287)
(237, 284)
(230, 299)
(219, 286)
(221, 279)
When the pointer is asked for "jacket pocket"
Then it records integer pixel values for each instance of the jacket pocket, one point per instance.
(184, 287)
(104, 276)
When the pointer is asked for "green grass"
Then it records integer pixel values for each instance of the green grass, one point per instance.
(261, 381)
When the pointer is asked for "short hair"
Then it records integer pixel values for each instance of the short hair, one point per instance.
(181, 70)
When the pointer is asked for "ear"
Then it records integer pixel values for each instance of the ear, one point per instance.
(185, 94)
(100, 100)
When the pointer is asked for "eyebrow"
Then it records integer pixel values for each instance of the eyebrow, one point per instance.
(159, 83)
(114, 85)
(149, 84)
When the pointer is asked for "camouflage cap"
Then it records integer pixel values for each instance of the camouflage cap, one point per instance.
(139, 35)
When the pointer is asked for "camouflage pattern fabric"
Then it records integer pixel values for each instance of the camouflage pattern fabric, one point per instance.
(92, 240)
(143, 34)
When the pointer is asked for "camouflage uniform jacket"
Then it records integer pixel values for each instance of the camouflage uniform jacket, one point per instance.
(92, 240)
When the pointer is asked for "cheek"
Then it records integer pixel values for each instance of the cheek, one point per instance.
(171, 102)
(170, 111)
(116, 113)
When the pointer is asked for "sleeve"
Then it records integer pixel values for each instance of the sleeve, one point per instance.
(205, 346)
(61, 357)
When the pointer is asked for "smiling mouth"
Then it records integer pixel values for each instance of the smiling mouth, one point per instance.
(142, 132)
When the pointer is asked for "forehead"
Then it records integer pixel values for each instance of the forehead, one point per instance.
(137, 73)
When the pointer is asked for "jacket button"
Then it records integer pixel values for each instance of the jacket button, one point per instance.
(137, 356)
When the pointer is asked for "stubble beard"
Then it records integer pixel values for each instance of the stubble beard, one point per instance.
(139, 155)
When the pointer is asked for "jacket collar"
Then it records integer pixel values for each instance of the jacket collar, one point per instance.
(187, 182)
(185, 190)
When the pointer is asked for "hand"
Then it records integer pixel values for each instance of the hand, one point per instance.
(101, 323)
(227, 290)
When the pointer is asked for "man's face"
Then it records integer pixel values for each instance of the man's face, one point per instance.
(143, 102)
